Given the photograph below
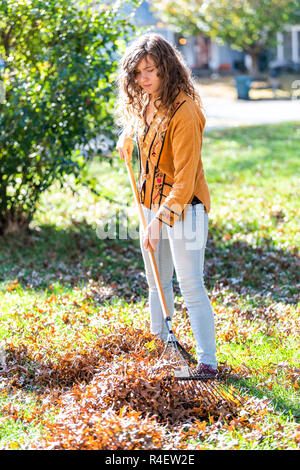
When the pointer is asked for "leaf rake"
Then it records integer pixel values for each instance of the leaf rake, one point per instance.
(175, 359)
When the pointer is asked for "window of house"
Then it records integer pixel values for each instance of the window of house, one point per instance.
(287, 45)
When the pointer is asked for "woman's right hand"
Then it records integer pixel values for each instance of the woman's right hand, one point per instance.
(125, 147)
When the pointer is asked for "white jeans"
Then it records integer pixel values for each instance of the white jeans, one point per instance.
(183, 246)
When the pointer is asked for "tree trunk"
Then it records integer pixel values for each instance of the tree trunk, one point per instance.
(254, 70)
(14, 221)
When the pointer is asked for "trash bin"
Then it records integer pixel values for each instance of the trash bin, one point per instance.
(243, 85)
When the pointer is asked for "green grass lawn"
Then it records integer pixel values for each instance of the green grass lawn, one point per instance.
(70, 301)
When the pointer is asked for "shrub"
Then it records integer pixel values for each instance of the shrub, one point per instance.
(58, 64)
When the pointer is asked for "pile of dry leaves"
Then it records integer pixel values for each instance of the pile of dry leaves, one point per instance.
(106, 396)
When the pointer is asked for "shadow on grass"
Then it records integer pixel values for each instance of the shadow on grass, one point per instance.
(69, 256)
(252, 270)
(73, 256)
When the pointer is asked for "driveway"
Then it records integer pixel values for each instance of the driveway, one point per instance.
(226, 112)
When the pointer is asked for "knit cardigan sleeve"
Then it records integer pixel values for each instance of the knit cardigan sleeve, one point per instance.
(186, 141)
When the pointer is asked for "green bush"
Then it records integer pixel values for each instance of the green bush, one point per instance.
(59, 60)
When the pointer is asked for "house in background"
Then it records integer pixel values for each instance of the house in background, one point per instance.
(200, 53)
(288, 48)
(205, 56)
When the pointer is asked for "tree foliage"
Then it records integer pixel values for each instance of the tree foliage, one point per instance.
(58, 64)
(247, 25)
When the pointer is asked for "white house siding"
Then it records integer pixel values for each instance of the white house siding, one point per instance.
(288, 47)
(221, 55)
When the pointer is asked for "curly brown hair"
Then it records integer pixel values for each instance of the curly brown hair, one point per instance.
(172, 70)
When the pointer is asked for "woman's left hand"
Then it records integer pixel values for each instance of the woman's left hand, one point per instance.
(151, 234)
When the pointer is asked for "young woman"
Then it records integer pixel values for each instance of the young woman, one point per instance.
(159, 105)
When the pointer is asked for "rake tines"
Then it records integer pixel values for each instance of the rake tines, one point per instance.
(179, 365)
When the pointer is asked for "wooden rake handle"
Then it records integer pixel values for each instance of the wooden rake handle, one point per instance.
(151, 252)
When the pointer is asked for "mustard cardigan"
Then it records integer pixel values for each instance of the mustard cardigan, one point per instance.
(171, 170)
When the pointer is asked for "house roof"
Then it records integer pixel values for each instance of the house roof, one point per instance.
(144, 16)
